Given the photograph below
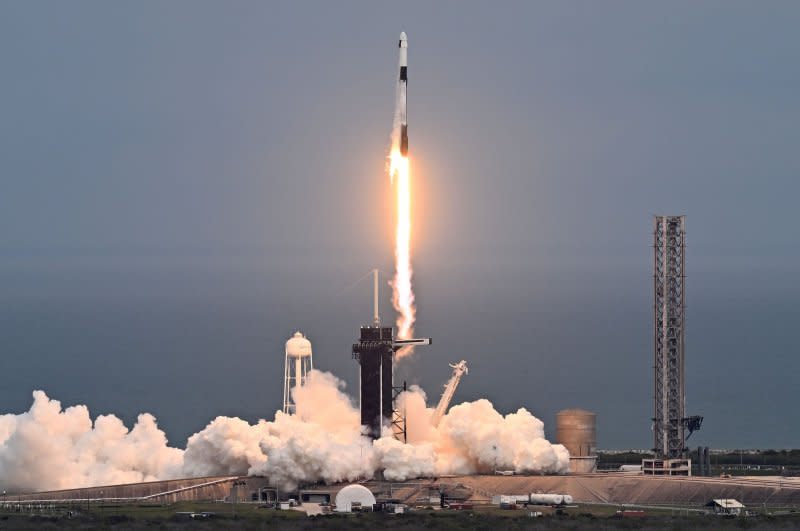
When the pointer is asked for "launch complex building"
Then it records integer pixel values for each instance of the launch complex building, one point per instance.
(375, 353)
(660, 480)
(664, 479)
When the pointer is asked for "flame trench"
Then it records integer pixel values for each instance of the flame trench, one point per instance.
(402, 292)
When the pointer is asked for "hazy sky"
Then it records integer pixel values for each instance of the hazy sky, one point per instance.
(183, 184)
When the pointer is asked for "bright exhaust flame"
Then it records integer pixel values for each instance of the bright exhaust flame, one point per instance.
(402, 293)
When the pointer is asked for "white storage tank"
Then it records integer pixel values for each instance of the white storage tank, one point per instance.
(296, 368)
(550, 499)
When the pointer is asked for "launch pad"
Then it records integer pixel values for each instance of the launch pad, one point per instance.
(602, 488)
(375, 353)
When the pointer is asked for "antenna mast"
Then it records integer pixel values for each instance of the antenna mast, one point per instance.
(376, 318)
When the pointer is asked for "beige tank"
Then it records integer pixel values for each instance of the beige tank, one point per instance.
(576, 429)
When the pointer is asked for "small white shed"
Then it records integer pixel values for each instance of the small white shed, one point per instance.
(727, 506)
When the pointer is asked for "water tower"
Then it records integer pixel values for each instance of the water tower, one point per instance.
(298, 364)
(576, 429)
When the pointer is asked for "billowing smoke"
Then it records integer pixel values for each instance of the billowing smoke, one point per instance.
(51, 448)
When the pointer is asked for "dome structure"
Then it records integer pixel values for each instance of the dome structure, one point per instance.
(354, 495)
(298, 346)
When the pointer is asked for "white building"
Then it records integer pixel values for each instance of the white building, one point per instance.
(727, 506)
(354, 498)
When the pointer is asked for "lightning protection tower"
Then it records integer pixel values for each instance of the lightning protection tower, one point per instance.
(296, 369)
(671, 428)
(669, 297)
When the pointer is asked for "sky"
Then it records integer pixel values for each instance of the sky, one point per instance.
(185, 184)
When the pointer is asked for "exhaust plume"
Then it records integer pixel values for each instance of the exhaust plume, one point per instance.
(49, 447)
(402, 292)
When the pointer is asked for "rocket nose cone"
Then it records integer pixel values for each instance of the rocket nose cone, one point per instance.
(403, 37)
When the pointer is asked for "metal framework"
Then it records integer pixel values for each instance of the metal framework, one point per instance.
(459, 370)
(669, 291)
(375, 353)
(399, 429)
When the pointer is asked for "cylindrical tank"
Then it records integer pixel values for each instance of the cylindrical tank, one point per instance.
(298, 364)
(549, 499)
(576, 429)
(298, 346)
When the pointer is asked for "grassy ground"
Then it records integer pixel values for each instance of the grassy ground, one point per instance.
(484, 518)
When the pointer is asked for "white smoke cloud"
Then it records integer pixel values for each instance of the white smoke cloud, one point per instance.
(322, 442)
(227, 446)
(473, 437)
(50, 448)
(400, 462)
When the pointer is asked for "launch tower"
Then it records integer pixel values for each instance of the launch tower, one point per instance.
(669, 423)
(375, 354)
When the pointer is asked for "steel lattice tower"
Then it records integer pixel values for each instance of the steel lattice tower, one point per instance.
(669, 292)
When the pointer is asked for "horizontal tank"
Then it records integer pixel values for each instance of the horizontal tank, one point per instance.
(550, 499)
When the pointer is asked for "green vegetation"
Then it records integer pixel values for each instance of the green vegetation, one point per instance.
(734, 462)
(777, 458)
(250, 516)
(615, 460)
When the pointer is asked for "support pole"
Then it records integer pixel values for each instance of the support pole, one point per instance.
(376, 318)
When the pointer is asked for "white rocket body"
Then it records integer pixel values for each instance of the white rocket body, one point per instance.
(402, 94)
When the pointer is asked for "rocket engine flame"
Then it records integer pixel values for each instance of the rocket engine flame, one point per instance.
(402, 292)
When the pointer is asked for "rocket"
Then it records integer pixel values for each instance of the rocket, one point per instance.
(402, 93)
